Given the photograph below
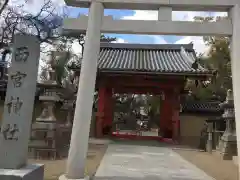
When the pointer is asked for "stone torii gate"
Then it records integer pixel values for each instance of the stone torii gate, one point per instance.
(96, 23)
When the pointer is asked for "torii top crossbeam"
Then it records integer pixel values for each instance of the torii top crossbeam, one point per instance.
(176, 5)
(164, 25)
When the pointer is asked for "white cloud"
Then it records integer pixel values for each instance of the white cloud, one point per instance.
(176, 15)
(199, 45)
(197, 41)
(120, 40)
(142, 15)
(36, 5)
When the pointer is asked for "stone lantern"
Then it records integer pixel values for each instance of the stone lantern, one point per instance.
(50, 95)
(44, 129)
(228, 142)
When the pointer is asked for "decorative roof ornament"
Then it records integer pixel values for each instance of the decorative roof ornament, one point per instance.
(195, 65)
(185, 55)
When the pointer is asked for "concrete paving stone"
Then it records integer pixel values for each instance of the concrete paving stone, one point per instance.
(131, 162)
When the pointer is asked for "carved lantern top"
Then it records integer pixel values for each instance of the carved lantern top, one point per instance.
(228, 104)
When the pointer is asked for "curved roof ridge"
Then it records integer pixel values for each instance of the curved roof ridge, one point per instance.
(188, 47)
(185, 55)
(190, 59)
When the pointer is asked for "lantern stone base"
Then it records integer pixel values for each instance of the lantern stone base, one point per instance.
(235, 160)
(29, 172)
(227, 147)
(209, 146)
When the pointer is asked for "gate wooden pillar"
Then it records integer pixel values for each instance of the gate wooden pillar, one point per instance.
(105, 111)
(169, 114)
(175, 116)
(166, 111)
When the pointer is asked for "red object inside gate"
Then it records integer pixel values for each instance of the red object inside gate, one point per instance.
(139, 137)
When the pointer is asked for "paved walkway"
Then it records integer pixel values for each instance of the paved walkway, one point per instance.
(130, 162)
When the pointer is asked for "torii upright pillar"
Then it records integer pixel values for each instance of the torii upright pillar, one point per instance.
(83, 110)
(235, 55)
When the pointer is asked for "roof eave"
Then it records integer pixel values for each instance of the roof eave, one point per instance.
(158, 73)
(189, 74)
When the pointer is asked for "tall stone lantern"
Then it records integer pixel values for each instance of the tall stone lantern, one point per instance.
(44, 129)
(50, 95)
(228, 142)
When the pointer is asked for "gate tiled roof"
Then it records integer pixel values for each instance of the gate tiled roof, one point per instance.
(167, 58)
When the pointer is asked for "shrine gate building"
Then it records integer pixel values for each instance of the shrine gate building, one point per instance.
(145, 69)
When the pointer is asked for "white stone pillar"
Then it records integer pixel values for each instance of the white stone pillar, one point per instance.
(235, 55)
(18, 109)
(19, 102)
(165, 14)
(83, 111)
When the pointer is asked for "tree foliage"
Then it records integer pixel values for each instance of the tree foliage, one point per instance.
(44, 24)
(107, 38)
(218, 60)
(65, 45)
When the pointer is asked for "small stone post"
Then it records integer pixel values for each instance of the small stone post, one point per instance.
(209, 140)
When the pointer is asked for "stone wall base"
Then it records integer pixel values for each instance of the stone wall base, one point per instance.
(29, 172)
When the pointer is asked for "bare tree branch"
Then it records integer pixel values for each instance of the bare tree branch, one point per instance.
(3, 5)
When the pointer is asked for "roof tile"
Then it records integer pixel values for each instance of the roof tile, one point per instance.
(148, 58)
(201, 106)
